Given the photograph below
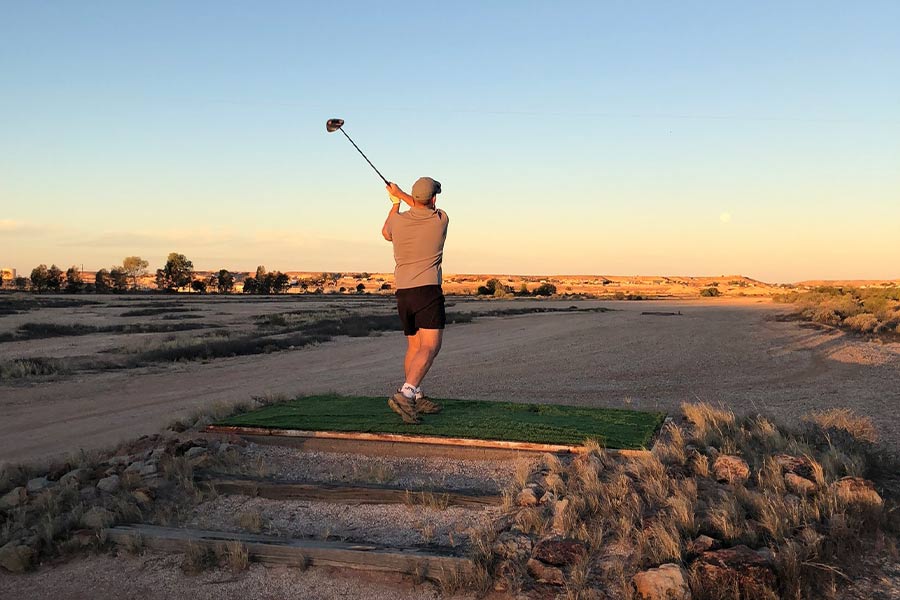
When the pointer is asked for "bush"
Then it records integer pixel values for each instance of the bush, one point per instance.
(710, 292)
(863, 323)
(545, 289)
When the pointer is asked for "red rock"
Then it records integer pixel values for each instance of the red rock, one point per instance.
(798, 465)
(527, 497)
(800, 486)
(666, 582)
(738, 567)
(545, 573)
(702, 544)
(731, 469)
(559, 551)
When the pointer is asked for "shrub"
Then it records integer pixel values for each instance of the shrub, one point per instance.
(863, 322)
(710, 292)
(545, 289)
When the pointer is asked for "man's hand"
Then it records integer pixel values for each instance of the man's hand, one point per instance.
(394, 192)
(397, 194)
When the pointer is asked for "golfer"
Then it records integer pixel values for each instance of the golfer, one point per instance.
(418, 237)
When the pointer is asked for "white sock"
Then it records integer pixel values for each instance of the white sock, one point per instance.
(409, 390)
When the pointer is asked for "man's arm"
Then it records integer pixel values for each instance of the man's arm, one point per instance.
(394, 191)
(385, 230)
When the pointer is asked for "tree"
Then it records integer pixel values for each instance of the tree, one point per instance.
(260, 273)
(225, 281)
(710, 292)
(134, 267)
(178, 272)
(55, 278)
(39, 276)
(250, 285)
(360, 288)
(102, 281)
(21, 283)
(198, 285)
(74, 282)
(281, 283)
(119, 280)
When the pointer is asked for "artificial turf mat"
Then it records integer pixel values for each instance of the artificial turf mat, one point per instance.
(507, 421)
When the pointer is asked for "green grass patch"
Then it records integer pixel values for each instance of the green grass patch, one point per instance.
(508, 421)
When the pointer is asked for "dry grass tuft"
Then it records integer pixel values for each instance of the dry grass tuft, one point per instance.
(711, 425)
(251, 520)
(844, 419)
(236, 556)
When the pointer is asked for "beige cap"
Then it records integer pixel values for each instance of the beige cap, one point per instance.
(425, 188)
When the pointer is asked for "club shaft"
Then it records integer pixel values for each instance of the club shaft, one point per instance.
(365, 157)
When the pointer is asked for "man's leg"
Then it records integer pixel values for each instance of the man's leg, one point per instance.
(429, 344)
(412, 347)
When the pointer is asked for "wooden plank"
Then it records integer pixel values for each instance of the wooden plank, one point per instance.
(299, 552)
(398, 438)
(392, 444)
(346, 494)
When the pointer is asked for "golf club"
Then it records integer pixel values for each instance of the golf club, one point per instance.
(333, 125)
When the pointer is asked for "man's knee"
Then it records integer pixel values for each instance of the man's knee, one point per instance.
(430, 340)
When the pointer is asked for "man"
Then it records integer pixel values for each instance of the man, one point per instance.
(418, 237)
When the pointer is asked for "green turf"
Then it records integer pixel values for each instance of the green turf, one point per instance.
(510, 421)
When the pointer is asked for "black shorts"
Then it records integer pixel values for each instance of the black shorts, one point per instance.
(421, 308)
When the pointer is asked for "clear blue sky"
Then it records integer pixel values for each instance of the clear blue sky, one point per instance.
(698, 138)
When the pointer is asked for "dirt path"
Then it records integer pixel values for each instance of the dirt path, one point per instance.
(731, 353)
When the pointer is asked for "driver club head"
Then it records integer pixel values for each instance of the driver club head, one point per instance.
(333, 125)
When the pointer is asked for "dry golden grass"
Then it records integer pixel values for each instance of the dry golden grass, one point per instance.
(844, 419)
(250, 520)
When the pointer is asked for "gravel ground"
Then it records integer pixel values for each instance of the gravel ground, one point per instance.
(387, 524)
(410, 473)
(158, 577)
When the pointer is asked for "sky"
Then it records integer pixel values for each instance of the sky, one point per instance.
(675, 138)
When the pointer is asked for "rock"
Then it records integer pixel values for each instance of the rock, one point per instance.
(195, 452)
(149, 469)
(857, 492)
(559, 551)
(119, 461)
(88, 493)
(16, 557)
(767, 554)
(559, 515)
(666, 582)
(109, 484)
(527, 497)
(737, 568)
(702, 544)
(158, 453)
(135, 467)
(512, 545)
(801, 486)
(97, 518)
(798, 465)
(548, 498)
(554, 482)
(731, 469)
(545, 573)
(13, 498)
(38, 484)
(225, 447)
(75, 477)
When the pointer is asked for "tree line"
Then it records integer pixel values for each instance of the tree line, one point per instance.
(176, 274)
